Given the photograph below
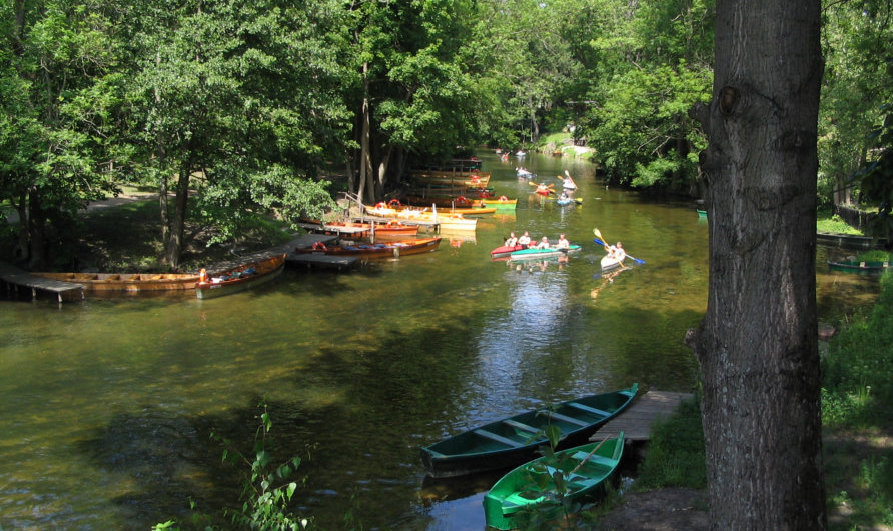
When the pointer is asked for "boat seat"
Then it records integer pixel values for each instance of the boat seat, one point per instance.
(521, 426)
(595, 458)
(571, 420)
(514, 502)
(590, 409)
(498, 438)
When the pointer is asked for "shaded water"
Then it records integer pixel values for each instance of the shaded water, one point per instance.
(106, 405)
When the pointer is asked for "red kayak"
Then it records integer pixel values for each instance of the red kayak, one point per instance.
(505, 251)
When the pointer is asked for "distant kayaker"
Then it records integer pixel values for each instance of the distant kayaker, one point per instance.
(524, 240)
(562, 242)
(616, 251)
(544, 243)
(512, 240)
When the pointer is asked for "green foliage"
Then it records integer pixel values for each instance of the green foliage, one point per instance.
(826, 222)
(676, 452)
(857, 372)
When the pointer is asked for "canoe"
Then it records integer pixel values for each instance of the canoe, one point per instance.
(584, 472)
(391, 228)
(608, 262)
(377, 250)
(445, 220)
(501, 202)
(506, 250)
(515, 440)
(240, 278)
(852, 266)
(129, 282)
(533, 253)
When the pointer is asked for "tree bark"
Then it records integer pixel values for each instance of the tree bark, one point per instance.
(757, 345)
(175, 243)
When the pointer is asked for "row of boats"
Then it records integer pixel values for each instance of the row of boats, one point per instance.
(575, 473)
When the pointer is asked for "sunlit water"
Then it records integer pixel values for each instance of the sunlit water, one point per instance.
(107, 405)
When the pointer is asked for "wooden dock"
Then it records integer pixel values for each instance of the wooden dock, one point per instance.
(638, 418)
(14, 278)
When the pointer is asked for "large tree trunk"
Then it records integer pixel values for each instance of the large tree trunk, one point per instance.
(757, 344)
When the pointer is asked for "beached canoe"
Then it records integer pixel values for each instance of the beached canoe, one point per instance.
(132, 282)
(376, 250)
(512, 441)
(550, 484)
(240, 278)
(532, 253)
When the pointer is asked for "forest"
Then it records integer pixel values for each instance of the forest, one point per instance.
(234, 111)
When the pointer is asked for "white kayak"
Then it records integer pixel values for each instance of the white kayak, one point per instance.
(609, 262)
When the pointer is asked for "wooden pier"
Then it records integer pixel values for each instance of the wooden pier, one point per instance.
(14, 278)
(638, 418)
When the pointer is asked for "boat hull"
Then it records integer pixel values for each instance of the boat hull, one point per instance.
(509, 442)
(859, 267)
(608, 263)
(379, 250)
(506, 251)
(541, 254)
(265, 271)
(133, 283)
(585, 470)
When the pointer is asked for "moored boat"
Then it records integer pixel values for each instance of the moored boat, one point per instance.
(534, 253)
(445, 220)
(382, 230)
(853, 266)
(501, 202)
(514, 440)
(128, 282)
(376, 250)
(533, 486)
(240, 278)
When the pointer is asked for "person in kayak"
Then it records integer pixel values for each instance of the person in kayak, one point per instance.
(562, 242)
(512, 240)
(544, 243)
(524, 240)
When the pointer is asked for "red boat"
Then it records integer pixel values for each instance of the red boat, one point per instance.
(506, 250)
(376, 250)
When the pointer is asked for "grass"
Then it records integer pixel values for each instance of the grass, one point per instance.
(828, 222)
(857, 397)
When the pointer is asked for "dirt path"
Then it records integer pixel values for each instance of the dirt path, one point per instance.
(659, 510)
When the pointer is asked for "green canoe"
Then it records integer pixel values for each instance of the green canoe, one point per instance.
(509, 442)
(532, 253)
(550, 484)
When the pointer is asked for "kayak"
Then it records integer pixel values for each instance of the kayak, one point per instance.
(506, 250)
(533, 253)
(609, 262)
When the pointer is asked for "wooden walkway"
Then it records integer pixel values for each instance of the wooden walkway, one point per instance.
(637, 420)
(14, 278)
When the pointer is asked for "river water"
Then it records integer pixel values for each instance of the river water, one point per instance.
(107, 404)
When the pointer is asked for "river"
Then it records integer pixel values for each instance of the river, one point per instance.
(107, 404)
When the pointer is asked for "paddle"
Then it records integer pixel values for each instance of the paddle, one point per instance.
(601, 239)
(549, 188)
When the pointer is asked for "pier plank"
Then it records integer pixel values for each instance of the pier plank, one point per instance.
(637, 419)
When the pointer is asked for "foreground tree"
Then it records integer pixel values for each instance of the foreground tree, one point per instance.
(757, 345)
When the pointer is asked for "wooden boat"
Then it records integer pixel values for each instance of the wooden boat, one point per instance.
(445, 220)
(387, 229)
(509, 442)
(240, 278)
(852, 266)
(377, 250)
(443, 201)
(532, 253)
(583, 470)
(506, 250)
(134, 282)
(500, 202)
(462, 179)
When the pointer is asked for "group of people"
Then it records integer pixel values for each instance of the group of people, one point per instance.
(526, 242)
